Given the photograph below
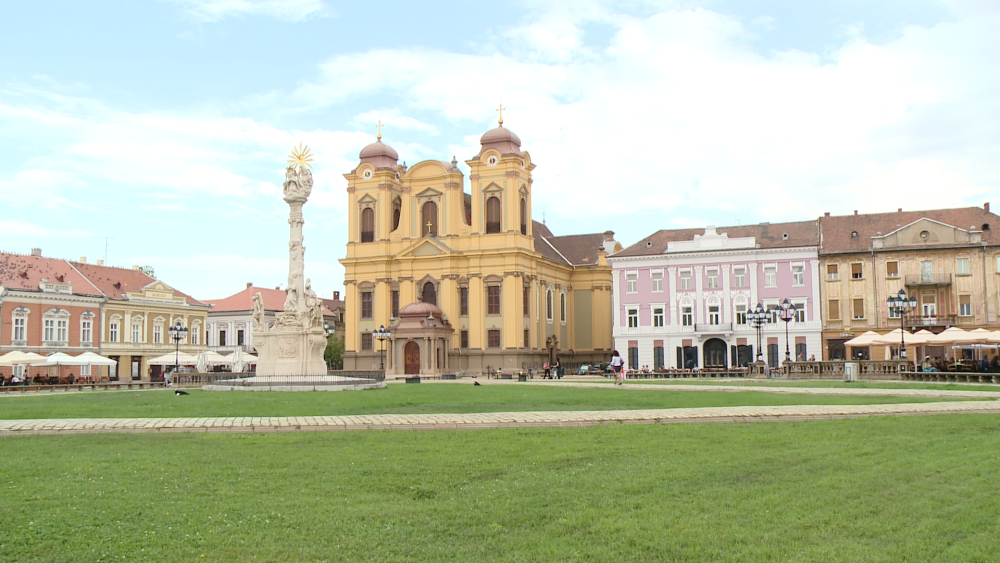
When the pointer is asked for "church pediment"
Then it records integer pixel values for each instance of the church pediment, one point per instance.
(367, 199)
(429, 192)
(427, 247)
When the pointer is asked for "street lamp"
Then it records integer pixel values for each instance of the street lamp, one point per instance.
(382, 334)
(178, 333)
(900, 305)
(786, 313)
(758, 318)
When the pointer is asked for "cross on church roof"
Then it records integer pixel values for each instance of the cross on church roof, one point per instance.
(500, 121)
(379, 130)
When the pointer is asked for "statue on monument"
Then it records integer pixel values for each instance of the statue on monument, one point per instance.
(295, 345)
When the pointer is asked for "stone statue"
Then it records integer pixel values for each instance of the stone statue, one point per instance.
(258, 312)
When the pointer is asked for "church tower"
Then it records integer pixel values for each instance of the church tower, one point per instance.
(375, 194)
(501, 186)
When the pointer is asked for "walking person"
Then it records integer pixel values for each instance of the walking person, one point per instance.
(547, 368)
(558, 368)
(617, 365)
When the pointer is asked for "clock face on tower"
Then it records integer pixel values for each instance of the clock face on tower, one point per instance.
(492, 160)
(367, 174)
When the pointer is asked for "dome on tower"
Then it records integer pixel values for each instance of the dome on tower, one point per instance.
(379, 155)
(501, 139)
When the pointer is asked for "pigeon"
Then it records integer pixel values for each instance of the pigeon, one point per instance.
(179, 392)
(476, 383)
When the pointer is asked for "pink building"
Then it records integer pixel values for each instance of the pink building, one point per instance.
(681, 297)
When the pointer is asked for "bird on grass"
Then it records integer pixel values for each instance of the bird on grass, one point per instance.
(179, 392)
(476, 383)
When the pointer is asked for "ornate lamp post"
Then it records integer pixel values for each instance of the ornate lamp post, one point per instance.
(758, 318)
(900, 305)
(382, 334)
(178, 333)
(786, 312)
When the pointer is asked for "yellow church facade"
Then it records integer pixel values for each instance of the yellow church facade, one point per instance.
(512, 294)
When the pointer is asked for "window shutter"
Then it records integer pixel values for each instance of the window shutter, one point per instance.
(680, 358)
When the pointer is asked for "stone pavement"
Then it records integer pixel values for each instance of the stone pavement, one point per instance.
(488, 420)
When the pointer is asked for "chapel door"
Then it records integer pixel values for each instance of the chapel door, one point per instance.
(411, 358)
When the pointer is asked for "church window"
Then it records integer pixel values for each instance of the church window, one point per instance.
(527, 338)
(429, 293)
(463, 301)
(524, 216)
(429, 219)
(366, 341)
(366, 304)
(493, 215)
(367, 224)
(493, 338)
(548, 304)
(395, 303)
(562, 307)
(397, 208)
(464, 335)
(493, 300)
(526, 301)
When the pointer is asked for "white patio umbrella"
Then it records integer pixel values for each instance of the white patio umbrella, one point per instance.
(949, 336)
(251, 359)
(17, 357)
(862, 340)
(217, 359)
(93, 359)
(237, 361)
(891, 338)
(202, 364)
(172, 358)
(994, 337)
(59, 359)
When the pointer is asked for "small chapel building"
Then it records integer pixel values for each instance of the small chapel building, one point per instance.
(496, 289)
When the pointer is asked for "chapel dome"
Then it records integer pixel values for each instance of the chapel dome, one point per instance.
(420, 309)
(501, 139)
(380, 155)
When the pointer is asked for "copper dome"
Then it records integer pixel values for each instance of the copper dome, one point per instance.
(419, 310)
(501, 139)
(379, 155)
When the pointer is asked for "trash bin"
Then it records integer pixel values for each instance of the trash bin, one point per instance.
(851, 370)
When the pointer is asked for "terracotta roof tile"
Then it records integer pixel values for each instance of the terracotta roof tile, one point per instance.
(274, 301)
(837, 230)
(27, 272)
(116, 282)
(766, 235)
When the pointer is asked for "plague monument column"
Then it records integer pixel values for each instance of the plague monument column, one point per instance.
(295, 345)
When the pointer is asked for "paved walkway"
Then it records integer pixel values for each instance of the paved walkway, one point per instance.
(488, 420)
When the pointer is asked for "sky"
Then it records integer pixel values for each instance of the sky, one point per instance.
(156, 133)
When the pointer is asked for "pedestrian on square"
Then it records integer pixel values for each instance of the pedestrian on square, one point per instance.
(558, 368)
(616, 365)
(547, 368)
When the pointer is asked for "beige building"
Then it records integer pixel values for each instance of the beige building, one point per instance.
(136, 317)
(948, 259)
(510, 292)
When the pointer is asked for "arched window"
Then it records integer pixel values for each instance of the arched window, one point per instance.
(429, 294)
(429, 219)
(524, 216)
(367, 224)
(548, 304)
(562, 307)
(493, 215)
(397, 207)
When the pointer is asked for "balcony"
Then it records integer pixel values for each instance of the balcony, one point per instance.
(917, 321)
(916, 280)
(713, 328)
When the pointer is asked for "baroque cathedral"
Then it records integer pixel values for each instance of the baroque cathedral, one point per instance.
(467, 281)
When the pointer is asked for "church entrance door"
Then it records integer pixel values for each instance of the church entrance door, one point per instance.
(411, 358)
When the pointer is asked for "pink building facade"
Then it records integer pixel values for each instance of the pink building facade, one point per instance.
(681, 297)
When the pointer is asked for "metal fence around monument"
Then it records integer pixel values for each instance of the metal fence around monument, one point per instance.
(333, 379)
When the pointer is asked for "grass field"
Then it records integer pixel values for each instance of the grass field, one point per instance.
(874, 490)
(396, 399)
(814, 383)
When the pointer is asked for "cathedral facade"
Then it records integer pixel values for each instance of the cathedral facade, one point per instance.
(468, 278)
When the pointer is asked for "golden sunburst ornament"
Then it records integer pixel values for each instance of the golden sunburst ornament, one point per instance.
(300, 156)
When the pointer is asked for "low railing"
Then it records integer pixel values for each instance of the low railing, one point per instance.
(713, 327)
(332, 378)
(928, 279)
(951, 376)
(934, 320)
(834, 369)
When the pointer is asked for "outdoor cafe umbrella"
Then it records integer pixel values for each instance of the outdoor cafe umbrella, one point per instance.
(949, 336)
(93, 359)
(891, 338)
(238, 363)
(216, 359)
(863, 340)
(18, 357)
(174, 358)
(59, 359)
(201, 366)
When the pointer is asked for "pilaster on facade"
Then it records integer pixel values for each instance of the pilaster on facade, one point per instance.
(699, 314)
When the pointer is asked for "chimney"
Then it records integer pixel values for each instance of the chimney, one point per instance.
(83, 259)
(826, 214)
(986, 207)
(249, 285)
(900, 210)
(336, 296)
(135, 267)
(855, 211)
(100, 262)
(277, 287)
(36, 251)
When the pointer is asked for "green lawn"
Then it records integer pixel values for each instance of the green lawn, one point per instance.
(873, 490)
(397, 399)
(813, 383)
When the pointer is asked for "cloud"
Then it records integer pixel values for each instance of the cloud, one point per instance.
(21, 229)
(211, 11)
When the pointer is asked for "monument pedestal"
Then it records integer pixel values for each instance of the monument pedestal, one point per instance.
(291, 352)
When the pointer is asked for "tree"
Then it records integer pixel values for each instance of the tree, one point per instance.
(334, 354)
(148, 270)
